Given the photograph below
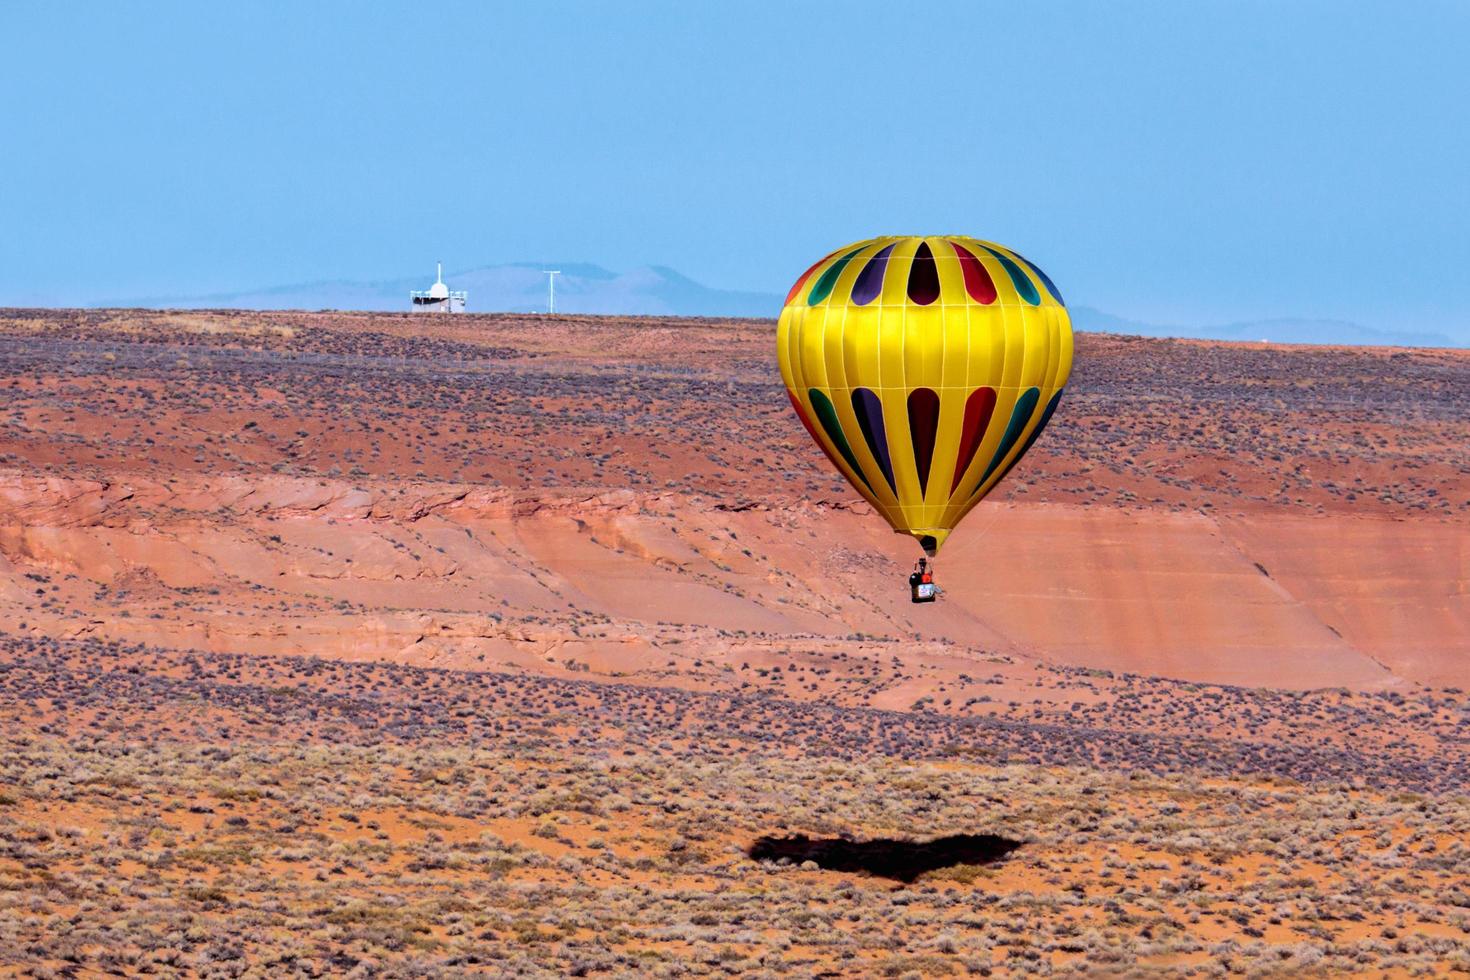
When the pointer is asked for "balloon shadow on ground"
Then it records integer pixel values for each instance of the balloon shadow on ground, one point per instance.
(900, 860)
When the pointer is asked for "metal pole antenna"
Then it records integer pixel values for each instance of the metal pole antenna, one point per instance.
(551, 275)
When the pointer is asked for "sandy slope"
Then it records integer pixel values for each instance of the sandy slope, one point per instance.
(681, 635)
(1257, 599)
(622, 498)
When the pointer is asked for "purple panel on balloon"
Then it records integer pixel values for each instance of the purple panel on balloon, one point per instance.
(870, 281)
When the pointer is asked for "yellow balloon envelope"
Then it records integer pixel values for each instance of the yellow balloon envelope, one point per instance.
(924, 368)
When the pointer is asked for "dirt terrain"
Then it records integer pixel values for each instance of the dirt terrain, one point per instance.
(219, 815)
(627, 497)
(494, 644)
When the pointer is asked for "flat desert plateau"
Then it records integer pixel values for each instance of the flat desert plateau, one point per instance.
(383, 645)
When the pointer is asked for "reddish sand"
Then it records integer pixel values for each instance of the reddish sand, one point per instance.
(619, 498)
(238, 550)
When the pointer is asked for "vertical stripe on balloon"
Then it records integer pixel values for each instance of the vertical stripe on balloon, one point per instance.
(870, 281)
(796, 287)
(1019, 279)
(828, 279)
(1046, 415)
(1020, 415)
(810, 429)
(923, 426)
(923, 276)
(1051, 286)
(978, 409)
(827, 415)
(869, 411)
(977, 278)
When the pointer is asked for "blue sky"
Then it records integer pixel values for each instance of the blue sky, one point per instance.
(1175, 162)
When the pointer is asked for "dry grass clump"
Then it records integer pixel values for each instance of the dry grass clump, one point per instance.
(594, 401)
(429, 860)
(212, 814)
(136, 692)
(179, 813)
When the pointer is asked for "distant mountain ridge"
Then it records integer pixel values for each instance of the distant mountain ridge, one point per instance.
(1277, 330)
(658, 290)
(513, 288)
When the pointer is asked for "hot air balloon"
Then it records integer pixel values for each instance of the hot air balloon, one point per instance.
(924, 368)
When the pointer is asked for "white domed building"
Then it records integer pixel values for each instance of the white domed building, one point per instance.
(438, 298)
